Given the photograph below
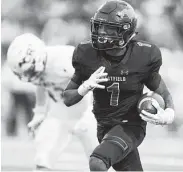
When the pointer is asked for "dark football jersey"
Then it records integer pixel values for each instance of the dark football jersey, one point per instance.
(139, 66)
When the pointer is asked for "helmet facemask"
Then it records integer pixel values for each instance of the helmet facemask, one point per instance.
(109, 40)
(29, 64)
(29, 70)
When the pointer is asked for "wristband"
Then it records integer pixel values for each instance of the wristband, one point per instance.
(170, 115)
(83, 90)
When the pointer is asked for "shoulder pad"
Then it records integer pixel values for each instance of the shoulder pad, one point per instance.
(143, 44)
(83, 53)
(86, 42)
(84, 46)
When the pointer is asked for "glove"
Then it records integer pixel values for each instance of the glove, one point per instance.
(35, 123)
(97, 77)
(163, 117)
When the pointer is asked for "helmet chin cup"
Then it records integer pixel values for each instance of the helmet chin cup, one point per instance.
(102, 40)
(121, 42)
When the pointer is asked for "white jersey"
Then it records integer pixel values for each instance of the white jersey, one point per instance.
(57, 74)
(58, 70)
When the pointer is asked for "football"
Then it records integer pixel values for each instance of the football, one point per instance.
(145, 102)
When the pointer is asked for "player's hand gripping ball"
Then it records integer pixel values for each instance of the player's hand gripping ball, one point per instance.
(152, 109)
(145, 102)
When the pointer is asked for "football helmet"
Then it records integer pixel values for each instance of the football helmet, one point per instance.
(117, 15)
(27, 57)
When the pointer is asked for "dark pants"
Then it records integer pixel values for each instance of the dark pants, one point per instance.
(118, 147)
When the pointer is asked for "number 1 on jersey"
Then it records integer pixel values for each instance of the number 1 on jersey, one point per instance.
(114, 88)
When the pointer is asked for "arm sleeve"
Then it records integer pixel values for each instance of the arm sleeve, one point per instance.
(42, 101)
(153, 78)
(77, 77)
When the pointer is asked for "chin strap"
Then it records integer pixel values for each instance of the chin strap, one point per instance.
(131, 37)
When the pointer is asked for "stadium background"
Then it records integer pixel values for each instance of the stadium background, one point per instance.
(68, 22)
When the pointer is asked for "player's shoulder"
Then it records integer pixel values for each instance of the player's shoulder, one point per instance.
(60, 50)
(59, 58)
(148, 48)
(144, 45)
(59, 53)
(84, 51)
(85, 45)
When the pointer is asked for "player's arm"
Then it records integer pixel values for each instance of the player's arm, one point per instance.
(79, 85)
(164, 92)
(155, 83)
(75, 92)
(42, 100)
(41, 108)
(71, 95)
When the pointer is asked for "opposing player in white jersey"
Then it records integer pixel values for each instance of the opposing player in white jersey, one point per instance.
(50, 69)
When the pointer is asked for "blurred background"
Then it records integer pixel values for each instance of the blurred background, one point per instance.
(68, 22)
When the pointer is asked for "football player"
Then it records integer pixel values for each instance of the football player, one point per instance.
(50, 69)
(116, 66)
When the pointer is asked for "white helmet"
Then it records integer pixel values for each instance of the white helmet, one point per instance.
(27, 57)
